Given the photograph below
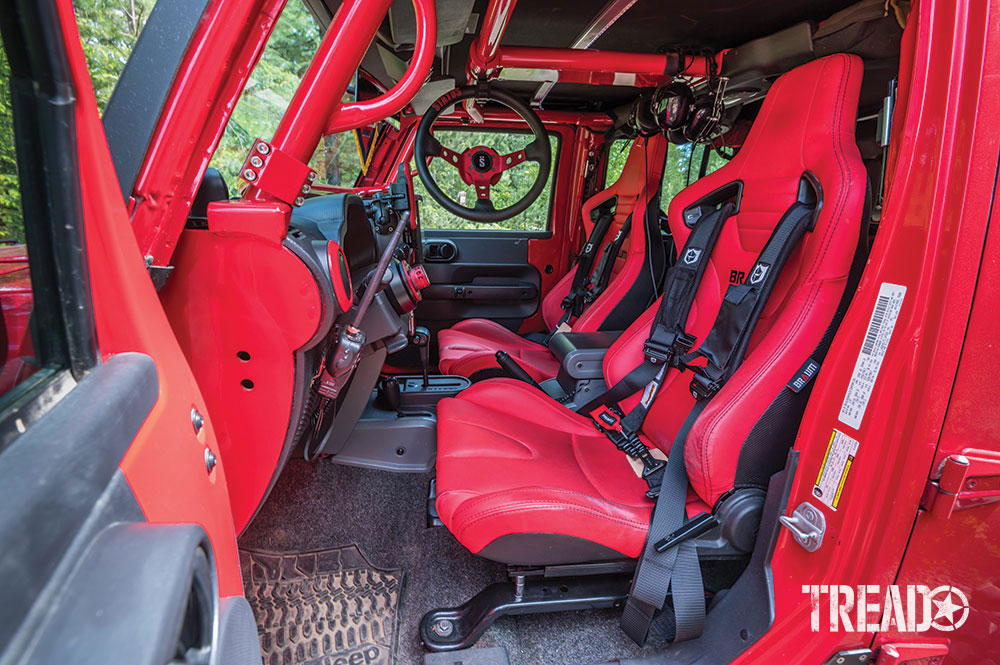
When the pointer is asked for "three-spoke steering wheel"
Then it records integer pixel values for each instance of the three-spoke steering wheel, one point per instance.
(481, 166)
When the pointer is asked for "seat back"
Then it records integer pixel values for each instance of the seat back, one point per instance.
(805, 126)
(638, 269)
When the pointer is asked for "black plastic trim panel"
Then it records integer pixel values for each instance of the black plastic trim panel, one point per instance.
(133, 111)
(54, 474)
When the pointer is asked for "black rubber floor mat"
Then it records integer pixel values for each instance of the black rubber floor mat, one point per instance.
(322, 608)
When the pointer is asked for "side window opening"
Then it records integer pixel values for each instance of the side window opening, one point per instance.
(617, 155)
(685, 164)
(512, 186)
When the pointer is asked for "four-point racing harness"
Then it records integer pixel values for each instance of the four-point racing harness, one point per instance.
(669, 562)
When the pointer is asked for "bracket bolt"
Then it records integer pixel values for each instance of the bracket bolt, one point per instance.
(443, 627)
(249, 175)
(299, 200)
(306, 188)
(197, 420)
(311, 177)
(263, 148)
(256, 161)
(210, 460)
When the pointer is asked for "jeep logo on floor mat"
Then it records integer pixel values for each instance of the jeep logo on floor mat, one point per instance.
(367, 654)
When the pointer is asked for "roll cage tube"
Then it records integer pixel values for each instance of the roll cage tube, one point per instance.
(317, 104)
(481, 166)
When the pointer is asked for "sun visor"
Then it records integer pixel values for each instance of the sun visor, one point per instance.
(453, 19)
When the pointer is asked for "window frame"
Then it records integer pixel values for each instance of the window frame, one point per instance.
(43, 105)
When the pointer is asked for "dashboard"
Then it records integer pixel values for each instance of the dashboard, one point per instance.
(365, 254)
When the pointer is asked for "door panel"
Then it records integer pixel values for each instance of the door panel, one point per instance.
(84, 578)
(487, 276)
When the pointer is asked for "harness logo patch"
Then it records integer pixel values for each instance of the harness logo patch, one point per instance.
(691, 256)
(736, 277)
(759, 273)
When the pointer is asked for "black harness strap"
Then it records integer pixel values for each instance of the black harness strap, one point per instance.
(602, 274)
(726, 344)
(669, 561)
(601, 215)
(666, 341)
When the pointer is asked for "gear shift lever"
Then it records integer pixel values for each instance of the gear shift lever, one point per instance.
(421, 336)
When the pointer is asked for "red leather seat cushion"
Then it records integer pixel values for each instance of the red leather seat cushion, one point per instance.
(469, 347)
(512, 460)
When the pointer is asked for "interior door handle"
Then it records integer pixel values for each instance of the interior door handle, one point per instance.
(505, 292)
(440, 251)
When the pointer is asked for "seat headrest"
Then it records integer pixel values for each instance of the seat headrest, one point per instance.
(806, 123)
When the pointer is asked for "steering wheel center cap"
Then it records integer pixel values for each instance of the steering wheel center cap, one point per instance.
(482, 161)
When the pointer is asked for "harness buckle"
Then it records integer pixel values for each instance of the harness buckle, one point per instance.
(703, 387)
(656, 353)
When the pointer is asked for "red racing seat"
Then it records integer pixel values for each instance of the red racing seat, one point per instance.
(468, 347)
(523, 480)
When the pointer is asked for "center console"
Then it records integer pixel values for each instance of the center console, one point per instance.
(581, 373)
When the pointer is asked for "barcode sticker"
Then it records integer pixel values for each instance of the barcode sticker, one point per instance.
(866, 369)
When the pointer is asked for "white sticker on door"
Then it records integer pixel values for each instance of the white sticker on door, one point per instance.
(836, 465)
(866, 369)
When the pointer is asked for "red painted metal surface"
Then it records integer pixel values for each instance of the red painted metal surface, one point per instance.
(903, 653)
(959, 547)
(483, 52)
(274, 172)
(165, 465)
(319, 96)
(16, 300)
(595, 61)
(205, 90)
(241, 305)
(359, 114)
(931, 241)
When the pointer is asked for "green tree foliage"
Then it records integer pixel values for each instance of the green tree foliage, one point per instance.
(268, 93)
(513, 185)
(109, 30)
(11, 221)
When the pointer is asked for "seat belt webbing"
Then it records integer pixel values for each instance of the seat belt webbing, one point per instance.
(666, 339)
(602, 215)
(676, 570)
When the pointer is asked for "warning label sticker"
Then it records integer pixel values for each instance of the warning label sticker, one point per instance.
(866, 369)
(836, 465)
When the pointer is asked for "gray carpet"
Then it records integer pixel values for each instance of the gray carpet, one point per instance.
(326, 505)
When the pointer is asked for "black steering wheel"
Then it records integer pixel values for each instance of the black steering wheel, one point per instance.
(482, 166)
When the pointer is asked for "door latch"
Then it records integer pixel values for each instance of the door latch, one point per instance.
(807, 524)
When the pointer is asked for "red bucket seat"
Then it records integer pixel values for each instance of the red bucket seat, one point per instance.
(468, 347)
(523, 480)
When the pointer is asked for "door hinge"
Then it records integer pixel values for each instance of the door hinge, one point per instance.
(912, 654)
(964, 480)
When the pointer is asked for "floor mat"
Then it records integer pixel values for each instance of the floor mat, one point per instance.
(324, 505)
(320, 607)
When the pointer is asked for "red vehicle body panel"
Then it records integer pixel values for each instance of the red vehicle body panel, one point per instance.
(931, 240)
(165, 465)
(15, 301)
